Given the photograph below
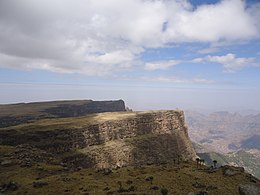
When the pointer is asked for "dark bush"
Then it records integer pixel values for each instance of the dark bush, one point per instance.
(164, 191)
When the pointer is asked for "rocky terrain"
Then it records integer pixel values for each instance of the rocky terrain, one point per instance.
(180, 178)
(233, 139)
(107, 140)
(248, 159)
(109, 153)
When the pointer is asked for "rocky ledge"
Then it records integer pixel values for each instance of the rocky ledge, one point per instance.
(108, 140)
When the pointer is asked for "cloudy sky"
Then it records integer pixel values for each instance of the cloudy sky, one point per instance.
(154, 54)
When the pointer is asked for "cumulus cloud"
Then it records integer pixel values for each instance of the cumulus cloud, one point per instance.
(98, 37)
(161, 65)
(231, 63)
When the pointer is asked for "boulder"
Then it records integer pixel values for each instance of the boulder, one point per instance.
(231, 170)
(7, 163)
(10, 186)
(249, 189)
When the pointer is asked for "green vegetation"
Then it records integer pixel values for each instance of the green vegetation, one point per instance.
(6, 149)
(209, 157)
(165, 179)
(70, 122)
(215, 163)
(52, 156)
(164, 191)
(36, 108)
(197, 160)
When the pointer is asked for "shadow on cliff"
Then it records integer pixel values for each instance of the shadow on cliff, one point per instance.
(154, 147)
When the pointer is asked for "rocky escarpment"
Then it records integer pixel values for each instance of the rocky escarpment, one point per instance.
(147, 138)
(108, 140)
(58, 156)
(14, 114)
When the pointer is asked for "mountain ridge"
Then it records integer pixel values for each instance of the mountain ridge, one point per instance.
(13, 114)
(153, 136)
(110, 153)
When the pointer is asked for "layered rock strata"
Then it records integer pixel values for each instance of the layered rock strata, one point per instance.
(109, 140)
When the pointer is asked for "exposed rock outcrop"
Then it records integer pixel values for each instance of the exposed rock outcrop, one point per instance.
(249, 189)
(108, 140)
(147, 138)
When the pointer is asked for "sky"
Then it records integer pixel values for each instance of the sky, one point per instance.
(153, 54)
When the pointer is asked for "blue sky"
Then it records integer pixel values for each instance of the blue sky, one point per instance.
(200, 55)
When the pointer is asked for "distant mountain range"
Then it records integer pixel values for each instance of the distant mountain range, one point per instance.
(223, 131)
(229, 138)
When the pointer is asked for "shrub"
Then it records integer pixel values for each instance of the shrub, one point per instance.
(164, 191)
(150, 179)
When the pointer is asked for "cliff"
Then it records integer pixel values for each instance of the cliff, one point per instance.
(14, 114)
(76, 155)
(108, 140)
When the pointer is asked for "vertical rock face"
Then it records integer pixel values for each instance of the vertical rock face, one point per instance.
(108, 140)
(140, 138)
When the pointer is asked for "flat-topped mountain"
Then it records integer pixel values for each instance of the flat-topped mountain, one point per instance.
(13, 114)
(107, 140)
(106, 153)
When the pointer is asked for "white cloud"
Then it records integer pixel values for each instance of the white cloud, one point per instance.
(161, 65)
(197, 60)
(98, 37)
(231, 63)
(208, 50)
(228, 20)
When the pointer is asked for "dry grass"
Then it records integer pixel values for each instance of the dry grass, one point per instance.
(6, 149)
(178, 179)
(35, 108)
(76, 122)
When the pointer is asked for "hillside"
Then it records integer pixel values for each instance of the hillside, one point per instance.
(110, 153)
(249, 159)
(178, 179)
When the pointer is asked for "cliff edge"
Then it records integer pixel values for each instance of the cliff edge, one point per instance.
(15, 114)
(76, 155)
(138, 139)
(108, 140)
